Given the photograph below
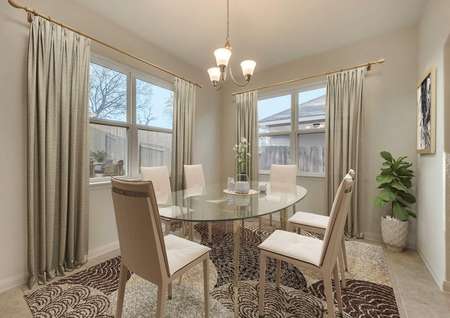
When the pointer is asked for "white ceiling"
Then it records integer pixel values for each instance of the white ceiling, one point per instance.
(268, 31)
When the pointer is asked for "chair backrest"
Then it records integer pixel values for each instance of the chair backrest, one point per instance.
(139, 228)
(333, 235)
(194, 180)
(283, 178)
(160, 178)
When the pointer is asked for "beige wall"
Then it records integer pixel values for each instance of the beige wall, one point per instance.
(389, 113)
(14, 39)
(434, 30)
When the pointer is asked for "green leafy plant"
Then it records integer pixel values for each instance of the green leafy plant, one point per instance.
(395, 182)
(241, 156)
(99, 155)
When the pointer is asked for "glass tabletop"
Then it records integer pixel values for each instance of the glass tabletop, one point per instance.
(213, 204)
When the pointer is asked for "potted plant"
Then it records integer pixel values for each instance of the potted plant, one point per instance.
(242, 156)
(395, 182)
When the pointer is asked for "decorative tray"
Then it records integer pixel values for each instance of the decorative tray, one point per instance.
(250, 192)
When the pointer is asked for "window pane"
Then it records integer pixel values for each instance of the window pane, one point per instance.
(273, 150)
(108, 151)
(274, 114)
(311, 108)
(311, 158)
(154, 148)
(153, 105)
(107, 94)
(311, 139)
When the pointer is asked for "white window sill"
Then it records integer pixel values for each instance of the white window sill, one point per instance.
(266, 173)
(99, 184)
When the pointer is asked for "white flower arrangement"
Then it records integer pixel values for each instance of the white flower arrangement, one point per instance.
(242, 156)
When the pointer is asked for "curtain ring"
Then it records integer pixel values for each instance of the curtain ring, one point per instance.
(29, 17)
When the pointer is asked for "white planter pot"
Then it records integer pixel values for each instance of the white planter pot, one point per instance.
(242, 187)
(394, 233)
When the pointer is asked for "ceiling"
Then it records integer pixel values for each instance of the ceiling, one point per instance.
(268, 31)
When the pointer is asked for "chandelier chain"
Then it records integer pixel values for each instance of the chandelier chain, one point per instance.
(228, 21)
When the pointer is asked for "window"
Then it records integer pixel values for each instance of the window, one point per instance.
(274, 127)
(154, 118)
(283, 140)
(130, 121)
(311, 132)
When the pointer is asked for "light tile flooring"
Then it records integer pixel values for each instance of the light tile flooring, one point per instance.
(417, 294)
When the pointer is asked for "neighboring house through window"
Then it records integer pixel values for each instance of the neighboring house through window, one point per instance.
(283, 140)
(130, 120)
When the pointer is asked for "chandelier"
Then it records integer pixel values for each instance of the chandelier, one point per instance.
(219, 73)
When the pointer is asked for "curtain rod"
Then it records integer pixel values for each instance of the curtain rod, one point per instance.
(368, 65)
(31, 12)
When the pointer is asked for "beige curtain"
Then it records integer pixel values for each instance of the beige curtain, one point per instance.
(344, 108)
(247, 127)
(183, 129)
(58, 68)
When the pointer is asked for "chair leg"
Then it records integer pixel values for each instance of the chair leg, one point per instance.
(278, 274)
(191, 231)
(262, 283)
(344, 252)
(206, 286)
(209, 232)
(337, 287)
(342, 268)
(167, 227)
(121, 292)
(162, 297)
(185, 232)
(329, 296)
(260, 223)
(270, 218)
(169, 291)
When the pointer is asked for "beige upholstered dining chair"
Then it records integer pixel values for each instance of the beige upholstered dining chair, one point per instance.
(309, 252)
(194, 180)
(283, 178)
(316, 223)
(143, 248)
(195, 184)
(160, 178)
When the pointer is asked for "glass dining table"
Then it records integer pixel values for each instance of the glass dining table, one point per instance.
(213, 204)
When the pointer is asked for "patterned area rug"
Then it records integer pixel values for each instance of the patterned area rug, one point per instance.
(92, 292)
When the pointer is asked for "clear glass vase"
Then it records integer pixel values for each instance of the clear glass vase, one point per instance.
(242, 184)
(242, 177)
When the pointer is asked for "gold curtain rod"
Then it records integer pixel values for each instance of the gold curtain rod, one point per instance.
(368, 65)
(31, 11)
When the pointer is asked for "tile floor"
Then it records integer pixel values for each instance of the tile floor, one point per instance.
(417, 294)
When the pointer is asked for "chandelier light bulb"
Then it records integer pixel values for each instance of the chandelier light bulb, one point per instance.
(222, 56)
(214, 74)
(248, 67)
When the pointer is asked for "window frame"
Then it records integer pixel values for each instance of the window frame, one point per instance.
(294, 132)
(130, 124)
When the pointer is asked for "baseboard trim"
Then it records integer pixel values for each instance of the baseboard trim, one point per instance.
(372, 237)
(102, 250)
(20, 280)
(436, 279)
(446, 286)
(13, 282)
